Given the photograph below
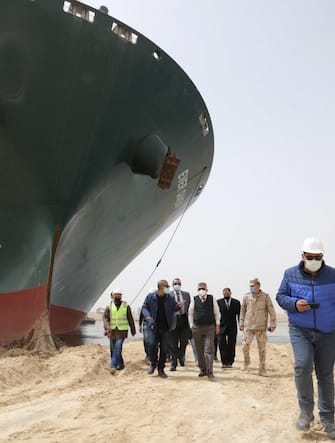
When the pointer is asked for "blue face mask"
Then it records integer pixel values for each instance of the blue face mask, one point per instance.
(167, 290)
(252, 289)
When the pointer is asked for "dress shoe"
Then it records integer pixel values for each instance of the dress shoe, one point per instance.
(161, 373)
(173, 368)
(210, 375)
(151, 369)
(304, 421)
(202, 374)
(182, 361)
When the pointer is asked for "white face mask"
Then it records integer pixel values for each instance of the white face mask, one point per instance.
(167, 290)
(313, 265)
(202, 292)
(177, 287)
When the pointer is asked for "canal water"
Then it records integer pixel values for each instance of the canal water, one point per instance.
(94, 333)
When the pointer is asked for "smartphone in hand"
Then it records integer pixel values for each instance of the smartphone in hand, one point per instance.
(314, 305)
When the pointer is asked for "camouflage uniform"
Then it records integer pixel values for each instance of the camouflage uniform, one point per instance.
(255, 310)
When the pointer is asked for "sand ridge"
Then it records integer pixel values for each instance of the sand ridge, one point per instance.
(71, 396)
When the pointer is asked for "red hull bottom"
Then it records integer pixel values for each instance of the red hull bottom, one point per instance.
(19, 310)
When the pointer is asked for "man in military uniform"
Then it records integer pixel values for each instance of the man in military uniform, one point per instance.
(256, 308)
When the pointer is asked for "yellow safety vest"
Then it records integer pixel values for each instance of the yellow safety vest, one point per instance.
(118, 317)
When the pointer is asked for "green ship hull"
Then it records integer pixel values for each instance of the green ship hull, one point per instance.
(104, 142)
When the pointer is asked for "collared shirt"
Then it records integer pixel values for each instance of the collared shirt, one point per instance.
(216, 310)
(179, 297)
(161, 320)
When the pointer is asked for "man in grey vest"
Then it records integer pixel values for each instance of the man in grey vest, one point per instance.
(204, 318)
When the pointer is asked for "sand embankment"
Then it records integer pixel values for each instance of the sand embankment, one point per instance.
(71, 396)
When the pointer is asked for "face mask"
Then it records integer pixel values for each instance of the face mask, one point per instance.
(167, 290)
(202, 292)
(313, 265)
(176, 287)
(117, 301)
(252, 289)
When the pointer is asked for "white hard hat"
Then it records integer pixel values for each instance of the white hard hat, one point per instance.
(313, 245)
(117, 291)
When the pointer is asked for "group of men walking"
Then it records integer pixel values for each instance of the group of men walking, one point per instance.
(171, 317)
(202, 318)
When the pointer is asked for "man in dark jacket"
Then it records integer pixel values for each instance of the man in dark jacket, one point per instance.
(230, 315)
(158, 311)
(180, 331)
(307, 294)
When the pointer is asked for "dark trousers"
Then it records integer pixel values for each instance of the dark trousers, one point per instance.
(178, 339)
(158, 341)
(227, 345)
(216, 343)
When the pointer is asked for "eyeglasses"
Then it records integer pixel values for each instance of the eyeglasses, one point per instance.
(313, 257)
(201, 289)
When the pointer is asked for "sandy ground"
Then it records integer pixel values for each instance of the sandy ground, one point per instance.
(71, 396)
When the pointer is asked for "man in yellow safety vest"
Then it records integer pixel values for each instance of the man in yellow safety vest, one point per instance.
(117, 319)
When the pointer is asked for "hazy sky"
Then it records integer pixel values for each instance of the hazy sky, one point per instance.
(266, 71)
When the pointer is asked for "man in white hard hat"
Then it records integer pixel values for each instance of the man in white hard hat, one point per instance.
(307, 293)
(117, 319)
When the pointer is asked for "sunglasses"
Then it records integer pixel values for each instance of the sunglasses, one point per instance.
(199, 289)
(313, 257)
